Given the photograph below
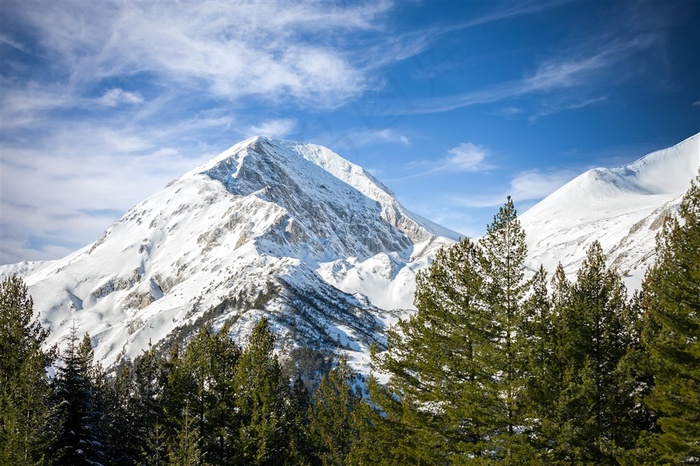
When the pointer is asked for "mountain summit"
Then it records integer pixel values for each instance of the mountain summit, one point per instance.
(291, 231)
(621, 207)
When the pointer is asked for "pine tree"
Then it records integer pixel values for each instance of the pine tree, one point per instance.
(123, 439)
(301, 450)
(79, 440)
(185, 450)
(202, 381)
(503, 265)
(24, 387)
(261, 394)
(595, 336)
(672, 334)
(549, 368)
(332, 426)
(441, 397)
(542, 371)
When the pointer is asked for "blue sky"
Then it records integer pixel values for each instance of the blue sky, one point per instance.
(453, 105)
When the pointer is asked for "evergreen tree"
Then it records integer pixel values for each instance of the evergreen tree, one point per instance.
(79, 440)
(301, 450)
(261, 395)
(185, 450)
(332, 426)
(542, 370)
(596, 399)
(24, 387)
(202, 382)
(441, 397)
(549, 368)
(672, 334)
(123, 439)
(503, 266)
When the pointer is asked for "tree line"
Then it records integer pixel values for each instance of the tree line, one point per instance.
(494, 367)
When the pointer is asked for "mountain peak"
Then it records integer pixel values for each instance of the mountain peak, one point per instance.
(622, 207)
(268, 227)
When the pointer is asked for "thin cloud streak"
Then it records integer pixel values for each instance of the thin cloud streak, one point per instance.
(586, 71)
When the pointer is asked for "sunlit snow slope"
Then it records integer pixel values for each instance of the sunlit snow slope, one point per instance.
(291, 231)
(622, 207)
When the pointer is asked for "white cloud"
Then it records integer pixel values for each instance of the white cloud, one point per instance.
(276, 128)
(531, 185)
(466, 157)
(69, 190)
(116, 96)
(391, 136)
(267, 49)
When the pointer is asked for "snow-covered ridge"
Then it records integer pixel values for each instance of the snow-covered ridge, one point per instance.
(621, 207)
(268, 227)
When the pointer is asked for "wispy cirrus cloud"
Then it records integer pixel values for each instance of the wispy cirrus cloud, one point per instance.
(464, 158)
(594, 66)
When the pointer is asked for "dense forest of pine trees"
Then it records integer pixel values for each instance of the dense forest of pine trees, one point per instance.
(494, 367)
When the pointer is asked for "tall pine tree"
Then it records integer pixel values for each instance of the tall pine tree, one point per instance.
(441, 397)
(672, 334)
(332, 427)
(503, 265)
(595, 401)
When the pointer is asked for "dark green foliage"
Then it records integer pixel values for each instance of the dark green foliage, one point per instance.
(78, 409)
(200, 383)
(185, 450)
(595, 335)
(671, 301)
(24, 388)
(503, 268)
(442, 396)
(260, 398)
(332, 425)
(459, 365)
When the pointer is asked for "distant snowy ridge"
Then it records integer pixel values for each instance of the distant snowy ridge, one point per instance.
(291, 231)
(622, 207)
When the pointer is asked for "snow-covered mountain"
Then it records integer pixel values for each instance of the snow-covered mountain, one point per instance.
(319, 246)
(288, 230)
(623, 208)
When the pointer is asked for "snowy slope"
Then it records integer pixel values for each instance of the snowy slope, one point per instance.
(288, 230)
(622, 207)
